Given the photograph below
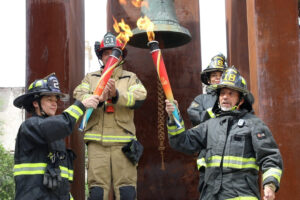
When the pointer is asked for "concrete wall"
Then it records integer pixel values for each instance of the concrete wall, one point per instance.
(10, 116)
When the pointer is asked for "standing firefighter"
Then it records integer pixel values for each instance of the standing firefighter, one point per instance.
(200, 109)
(237, 144)
(43, 166)
(110, 133)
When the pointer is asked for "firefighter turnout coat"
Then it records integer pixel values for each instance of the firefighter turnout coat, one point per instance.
(35, 137)
(238, 145)
(118, 127)
(201, 107)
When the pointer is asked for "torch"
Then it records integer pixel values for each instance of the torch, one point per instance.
(146, 24)
(111, 64)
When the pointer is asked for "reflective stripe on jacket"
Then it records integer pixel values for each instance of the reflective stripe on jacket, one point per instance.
(237, 146)
(118, 126)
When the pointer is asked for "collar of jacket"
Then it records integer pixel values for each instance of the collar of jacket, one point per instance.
(234, 113)
(211, 89)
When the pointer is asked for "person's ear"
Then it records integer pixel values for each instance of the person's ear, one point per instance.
(35, 104)
(241, 102)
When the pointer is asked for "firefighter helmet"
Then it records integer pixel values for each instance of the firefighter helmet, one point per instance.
(217, 63)
(40, 87)
(109, 41)
(232, 79)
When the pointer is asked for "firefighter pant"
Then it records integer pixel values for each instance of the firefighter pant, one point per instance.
(107, 165)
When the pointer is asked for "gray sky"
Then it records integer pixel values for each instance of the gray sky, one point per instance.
(13, 35)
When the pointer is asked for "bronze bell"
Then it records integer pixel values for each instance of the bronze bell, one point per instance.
(167, 30)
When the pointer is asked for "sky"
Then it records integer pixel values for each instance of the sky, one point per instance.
(13, 35)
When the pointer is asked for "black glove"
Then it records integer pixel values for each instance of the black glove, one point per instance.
(133, 151)
(52, 177)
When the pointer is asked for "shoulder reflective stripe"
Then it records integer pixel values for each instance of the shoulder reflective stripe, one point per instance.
(201, 163)
(210, 112)
(243, 198)
(85, 86)
(29, 168)
(274, 172)
(71, 198)
(130, 101)
(74, 111)
(134, 87)
(108, 138)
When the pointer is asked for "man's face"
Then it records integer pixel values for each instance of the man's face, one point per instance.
(49, 105)
(229, 98)
(214, 77)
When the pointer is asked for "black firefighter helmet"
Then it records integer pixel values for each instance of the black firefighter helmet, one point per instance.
(109, 41)
(217, 63)
(40, 87)
(232, 79)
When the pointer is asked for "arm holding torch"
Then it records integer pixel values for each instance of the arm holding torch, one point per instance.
(110, 65)
(163, 77)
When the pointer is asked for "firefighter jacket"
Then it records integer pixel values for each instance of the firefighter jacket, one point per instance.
(34, 139)
(117, 127)
(238, 145)
(201, 107)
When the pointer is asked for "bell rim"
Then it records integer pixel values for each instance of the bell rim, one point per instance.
(183, 36)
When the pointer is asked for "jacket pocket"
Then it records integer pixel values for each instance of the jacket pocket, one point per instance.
(253, 185)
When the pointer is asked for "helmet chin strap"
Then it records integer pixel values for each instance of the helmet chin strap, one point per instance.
(43, 113)
(101, 63)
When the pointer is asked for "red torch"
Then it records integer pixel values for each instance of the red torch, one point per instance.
(144, 23)
(163, 77)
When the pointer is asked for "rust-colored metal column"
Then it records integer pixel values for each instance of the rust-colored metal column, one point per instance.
(237, 36)
(273, 36)
(55, 43)
(162, 172)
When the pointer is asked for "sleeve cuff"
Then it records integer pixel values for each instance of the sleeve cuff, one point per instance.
(80, 105)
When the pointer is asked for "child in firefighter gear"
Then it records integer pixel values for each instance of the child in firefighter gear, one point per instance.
(237, 145)
(43, 166)
(200, 109)
(109, 130)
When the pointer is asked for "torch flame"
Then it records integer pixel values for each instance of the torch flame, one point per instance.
(144, 23)
(124, 31)
(136, 3)
(122, 2)
(139, 3)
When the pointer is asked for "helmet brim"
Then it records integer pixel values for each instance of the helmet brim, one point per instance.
(24, 100)
(205, 74)
(220, 86)
(27, 99)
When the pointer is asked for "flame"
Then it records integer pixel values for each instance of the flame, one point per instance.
(124, 31)
(116, 26)
(147, 25)
(139, 3)
(122, 2)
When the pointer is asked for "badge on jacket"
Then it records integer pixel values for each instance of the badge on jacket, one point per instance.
(261, 136)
